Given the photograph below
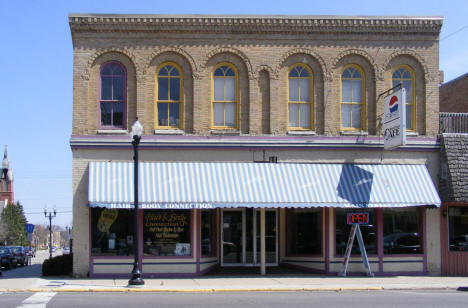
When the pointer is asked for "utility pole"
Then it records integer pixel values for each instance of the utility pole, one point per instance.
(49, 214)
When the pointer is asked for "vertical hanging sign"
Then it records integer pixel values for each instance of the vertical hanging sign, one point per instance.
(395, 119)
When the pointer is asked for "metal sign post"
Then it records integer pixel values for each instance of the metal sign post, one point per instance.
(362, 218)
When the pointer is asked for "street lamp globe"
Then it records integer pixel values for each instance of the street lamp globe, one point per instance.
(137, 129)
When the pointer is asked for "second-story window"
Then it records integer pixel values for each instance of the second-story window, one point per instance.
(169, 97)
(300, 98)
(112, 96)
(405, 76)
(224, 99)
(352, 99)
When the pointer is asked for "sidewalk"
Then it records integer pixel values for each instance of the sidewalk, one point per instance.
(231, 284)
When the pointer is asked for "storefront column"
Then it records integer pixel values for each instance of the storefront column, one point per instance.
(262, 242)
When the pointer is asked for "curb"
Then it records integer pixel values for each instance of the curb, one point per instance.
(209, 290)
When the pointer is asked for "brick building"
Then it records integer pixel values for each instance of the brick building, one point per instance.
(453, 95)
(217, 97)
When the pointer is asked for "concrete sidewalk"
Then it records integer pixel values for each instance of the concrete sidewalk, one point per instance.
(232, 284)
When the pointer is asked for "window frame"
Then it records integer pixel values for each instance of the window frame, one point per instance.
(413, 93)
(124, 97)
(180, 101)
(321, 213)
(311, 97)
(363, 99)
(236, 95)
(421, 231)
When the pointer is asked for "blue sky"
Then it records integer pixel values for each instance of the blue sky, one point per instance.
(36, 57)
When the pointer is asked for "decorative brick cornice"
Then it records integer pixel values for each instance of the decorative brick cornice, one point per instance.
(305, 51)
(230, 50)
(101, 52)
(414, 55)
(176, 50)
(254, 24)
(273, 74)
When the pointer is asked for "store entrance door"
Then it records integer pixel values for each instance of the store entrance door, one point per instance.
(241, 237)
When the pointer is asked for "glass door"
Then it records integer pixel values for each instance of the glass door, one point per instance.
(241, 237)
(271, 243)
(233, 237)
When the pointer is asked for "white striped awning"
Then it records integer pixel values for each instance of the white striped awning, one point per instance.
(192, 185)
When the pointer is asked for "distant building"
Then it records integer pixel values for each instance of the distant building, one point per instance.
(454, 95)
(6, 182)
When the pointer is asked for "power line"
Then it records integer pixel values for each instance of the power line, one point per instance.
(453, 33)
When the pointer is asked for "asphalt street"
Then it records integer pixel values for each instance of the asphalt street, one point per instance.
(240, 299)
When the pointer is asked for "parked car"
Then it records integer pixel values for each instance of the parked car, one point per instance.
(20, 253)
(31, 252)
(7, 257)
(66, 250)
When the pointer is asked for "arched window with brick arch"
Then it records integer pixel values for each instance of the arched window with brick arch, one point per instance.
(112, 96)
(300, 98)
(169, 98)
(352, 107)
(404, 75)
(225, 97)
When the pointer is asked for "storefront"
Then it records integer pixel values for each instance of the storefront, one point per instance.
(195, 217)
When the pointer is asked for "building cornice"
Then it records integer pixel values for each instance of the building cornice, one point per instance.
(249, 142)
(254, 23)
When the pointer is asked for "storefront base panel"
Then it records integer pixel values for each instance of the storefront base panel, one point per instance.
(208, 264)
(110, 268)
(403, 266)
(309, 265)
(172, 268)
(354, 266)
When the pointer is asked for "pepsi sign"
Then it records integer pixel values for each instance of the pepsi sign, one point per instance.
(395, 119)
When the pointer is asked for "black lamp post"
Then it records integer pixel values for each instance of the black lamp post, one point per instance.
(137, 130)
(49, 214)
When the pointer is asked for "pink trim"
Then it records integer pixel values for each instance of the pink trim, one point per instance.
(192, 243)
(380, 231)
(304, 255)
(140, 239)
(423, 246)
(327, 240)
(198, 228)
(124, 101)
(335, 255)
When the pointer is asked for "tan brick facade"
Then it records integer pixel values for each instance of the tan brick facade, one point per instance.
(262, 53)
(262, 49)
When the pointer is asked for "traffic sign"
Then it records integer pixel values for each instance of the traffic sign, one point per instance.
(29, 228)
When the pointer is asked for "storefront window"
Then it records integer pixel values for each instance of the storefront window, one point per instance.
(208, 233)
(402, 231)
(166, 233)
(458, 228)
(112, 232)
(304, 231)
(369, 232)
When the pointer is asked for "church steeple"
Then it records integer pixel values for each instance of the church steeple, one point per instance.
(6, 170)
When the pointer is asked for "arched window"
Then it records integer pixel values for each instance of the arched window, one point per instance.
(300, 99)
(225, 97)
(112, 95)
(169, 96)
(352, 98)
(405, 75)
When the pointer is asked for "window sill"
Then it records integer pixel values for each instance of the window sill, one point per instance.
(225, 132)
(354, 133)
(412, 134)
(168, 132)
(112, 132)
(301, 132)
